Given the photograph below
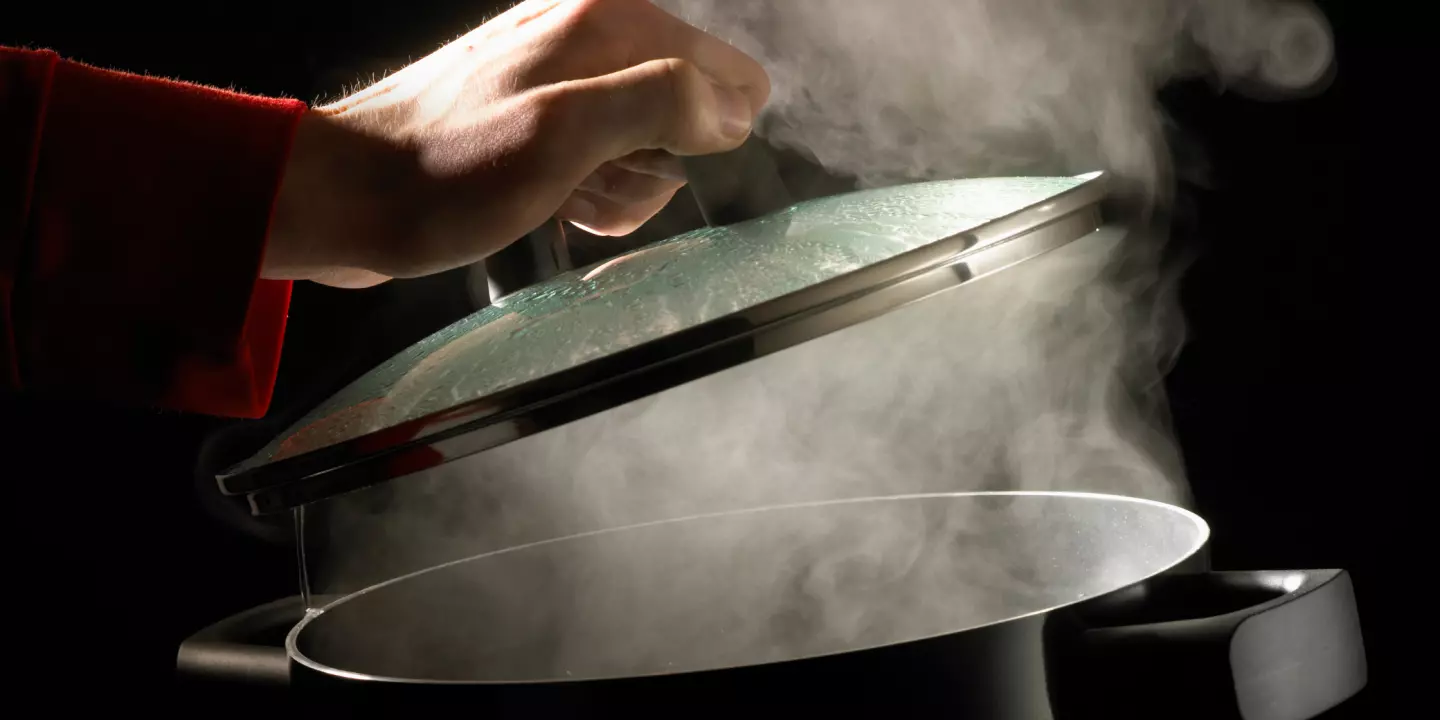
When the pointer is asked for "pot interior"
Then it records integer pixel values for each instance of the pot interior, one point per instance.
(748, 587)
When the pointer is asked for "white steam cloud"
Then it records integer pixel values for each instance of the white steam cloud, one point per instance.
(927, 89)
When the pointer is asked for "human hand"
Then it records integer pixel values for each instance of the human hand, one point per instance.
(568, 108)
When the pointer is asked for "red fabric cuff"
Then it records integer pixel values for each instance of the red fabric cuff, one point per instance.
(146, 229)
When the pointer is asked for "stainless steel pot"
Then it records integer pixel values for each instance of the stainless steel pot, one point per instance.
(977, 605)
(1062, 602)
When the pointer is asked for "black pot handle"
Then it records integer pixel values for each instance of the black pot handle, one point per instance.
(1262, 645)
(246, 649)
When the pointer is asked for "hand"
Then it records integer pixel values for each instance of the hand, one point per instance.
(569, 108)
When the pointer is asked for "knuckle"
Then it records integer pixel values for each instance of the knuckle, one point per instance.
(551, 112)
(680, 71)
(678, 81)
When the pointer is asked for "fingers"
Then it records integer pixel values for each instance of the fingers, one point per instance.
(658, 105)
(615, 200)
(625, 186)
(603, 216)
(652, 162)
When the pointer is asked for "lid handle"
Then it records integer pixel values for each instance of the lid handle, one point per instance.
(736, 186)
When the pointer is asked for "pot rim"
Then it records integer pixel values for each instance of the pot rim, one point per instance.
(296, 656)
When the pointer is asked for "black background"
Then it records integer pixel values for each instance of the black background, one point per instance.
(1298, 399)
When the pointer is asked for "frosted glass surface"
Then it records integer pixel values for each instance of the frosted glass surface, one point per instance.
(654, 291)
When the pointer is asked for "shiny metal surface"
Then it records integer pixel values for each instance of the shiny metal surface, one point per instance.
(746, 588)
(370, 433)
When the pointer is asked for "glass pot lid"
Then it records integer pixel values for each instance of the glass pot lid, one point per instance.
(674, 310)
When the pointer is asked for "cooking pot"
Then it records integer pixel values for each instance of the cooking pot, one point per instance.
(678, 379)
(667, 337)
(979, 605)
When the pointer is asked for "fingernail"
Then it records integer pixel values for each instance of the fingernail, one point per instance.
(577, 209)
(734, 109)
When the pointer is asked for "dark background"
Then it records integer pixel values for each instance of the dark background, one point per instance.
(1295, 400)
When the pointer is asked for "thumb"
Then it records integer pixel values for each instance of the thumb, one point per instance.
(658, 105)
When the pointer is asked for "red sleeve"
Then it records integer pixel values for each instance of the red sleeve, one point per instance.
(133, 216)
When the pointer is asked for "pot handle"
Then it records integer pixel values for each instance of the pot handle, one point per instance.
(1259, 645)
(244, 649)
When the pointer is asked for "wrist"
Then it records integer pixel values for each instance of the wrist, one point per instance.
(345, 200)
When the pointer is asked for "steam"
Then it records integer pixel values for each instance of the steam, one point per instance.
(927, 89)
(1044, 377)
